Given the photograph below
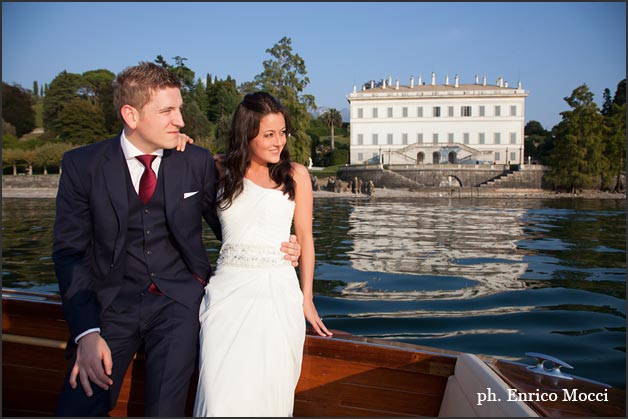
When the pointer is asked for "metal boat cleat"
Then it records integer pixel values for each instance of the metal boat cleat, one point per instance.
(555, 365)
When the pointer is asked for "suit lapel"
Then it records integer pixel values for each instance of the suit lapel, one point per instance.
(172, 172)
(114, 173)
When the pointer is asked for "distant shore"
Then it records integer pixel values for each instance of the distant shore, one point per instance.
(49, 192)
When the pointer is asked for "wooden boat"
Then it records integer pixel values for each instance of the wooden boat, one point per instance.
(341, 376)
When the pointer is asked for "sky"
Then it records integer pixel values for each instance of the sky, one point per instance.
(551, 48)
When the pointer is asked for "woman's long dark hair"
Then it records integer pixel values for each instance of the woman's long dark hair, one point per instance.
(244, 127)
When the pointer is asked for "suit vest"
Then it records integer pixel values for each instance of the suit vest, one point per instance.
(151, 254)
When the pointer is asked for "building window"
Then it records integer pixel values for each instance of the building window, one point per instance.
(375, 139)
(513, 110)
(419, 112)
(497, 138)
(404, 111)
(465, 110)
(498, 156)
(482, 110)
(513, 138)
(360, 156)
(498, 110)
(436, 112)
(435, 138)
(404, 139)
(360, 113)
(419, 138)
(513, 156)
(450, 138)
(390, 115)
(481, 138)
(465, 137)
(450, 111)
(360, 139)
(374, 112)
(389, 139)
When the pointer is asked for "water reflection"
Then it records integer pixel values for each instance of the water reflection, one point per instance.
(439, 242)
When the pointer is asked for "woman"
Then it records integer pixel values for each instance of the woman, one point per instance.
(252, 327)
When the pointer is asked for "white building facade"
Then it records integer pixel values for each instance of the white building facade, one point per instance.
(429, 123)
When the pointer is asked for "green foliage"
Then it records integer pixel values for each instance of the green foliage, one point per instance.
(615, 148)
(196, 124)
(223, 99)
(62, 90)
(222, 134)
(578, 153)
(50, 154)
(538, 142)
(332, 119)
(17, 108)
(8, 129)
(98, 89)
(81, 122)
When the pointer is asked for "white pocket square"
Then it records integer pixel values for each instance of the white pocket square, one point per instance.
(186, 195)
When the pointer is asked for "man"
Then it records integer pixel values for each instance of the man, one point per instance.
(128, 251)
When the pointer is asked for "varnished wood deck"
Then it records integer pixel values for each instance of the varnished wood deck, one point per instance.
(341, 376)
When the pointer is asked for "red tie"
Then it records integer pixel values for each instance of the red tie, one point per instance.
(148, 181)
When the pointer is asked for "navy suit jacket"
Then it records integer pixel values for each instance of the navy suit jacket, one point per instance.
(91, 226)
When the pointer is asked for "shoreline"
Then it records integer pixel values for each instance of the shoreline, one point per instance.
(447, 193)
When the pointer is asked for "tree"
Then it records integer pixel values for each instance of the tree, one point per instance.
(620, 93)
(615, 141)
(577, 157)
(196, 124)
(81, 122)
(17, 108)
(51, 154)
(606, 106)
(11, 156)
(222, 99)
(538, 141)
(98, 89)
(35, 88)
(285, 77)
(62, 90)
(332, 118)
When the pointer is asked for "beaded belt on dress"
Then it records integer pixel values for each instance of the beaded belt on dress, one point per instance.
(250, 256)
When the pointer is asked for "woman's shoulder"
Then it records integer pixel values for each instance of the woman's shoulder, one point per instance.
(299, 170)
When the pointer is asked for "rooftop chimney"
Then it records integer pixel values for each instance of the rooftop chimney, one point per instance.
(384, 84)
(420, 82)
(456, 81)
(411, 82)
(476, 79)
(355, 89)
(433, 78)
(447, 80)
(372, 83)
(506, 84)
(519, 85)
(390, 80)
(397, 84)
(484, 80)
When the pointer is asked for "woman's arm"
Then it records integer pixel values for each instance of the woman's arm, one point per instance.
(304, 199)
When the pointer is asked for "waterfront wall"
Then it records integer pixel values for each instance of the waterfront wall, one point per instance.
(446, 175)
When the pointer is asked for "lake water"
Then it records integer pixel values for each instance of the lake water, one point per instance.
(490, 276)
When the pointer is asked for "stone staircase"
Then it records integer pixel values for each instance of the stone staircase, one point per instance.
(509, 179)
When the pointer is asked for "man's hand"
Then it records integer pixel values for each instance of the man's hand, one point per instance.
(183, 141)
(93, 363)
(292, 249)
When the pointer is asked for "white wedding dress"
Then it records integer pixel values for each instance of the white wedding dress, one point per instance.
(252, 322)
